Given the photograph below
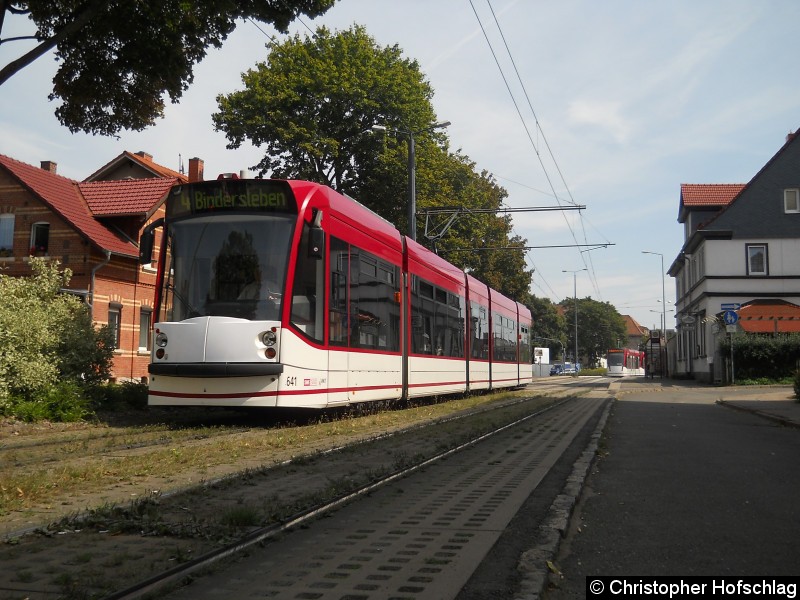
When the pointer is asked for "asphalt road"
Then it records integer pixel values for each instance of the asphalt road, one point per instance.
(685, 487)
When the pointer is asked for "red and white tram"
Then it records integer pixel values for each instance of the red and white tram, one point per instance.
(623, 362)
(289, 294)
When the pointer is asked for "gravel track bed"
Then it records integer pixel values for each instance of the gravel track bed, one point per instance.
(119, 542)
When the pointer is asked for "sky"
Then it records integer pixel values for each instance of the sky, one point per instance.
(605, 105)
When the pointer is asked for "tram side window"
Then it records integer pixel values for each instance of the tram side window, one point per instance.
(479, 331)
(374, 302)
(340, 266)
(364, 302)
(505, 344)
(437, 320)
(423, 315)
(524, 344)
(309, 286)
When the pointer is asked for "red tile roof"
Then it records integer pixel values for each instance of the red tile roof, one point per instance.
(142, 159)
(64, 197)
(770, 316)
(125, 196)
(709, 194)
(633, 326)
(147, 162)
(712, 195)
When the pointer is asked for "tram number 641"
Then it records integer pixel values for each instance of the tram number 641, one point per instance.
(290, 381)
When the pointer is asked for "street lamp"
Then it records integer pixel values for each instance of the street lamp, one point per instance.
(663, 307)
(663, 298)
(575, 293)
(412, 174)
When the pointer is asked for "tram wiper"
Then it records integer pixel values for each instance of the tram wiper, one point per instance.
(193, 312)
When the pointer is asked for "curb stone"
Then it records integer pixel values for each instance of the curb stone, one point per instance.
(535, 564)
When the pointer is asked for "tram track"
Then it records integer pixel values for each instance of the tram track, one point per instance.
(266, 533)
(174, 528)
(419, 534)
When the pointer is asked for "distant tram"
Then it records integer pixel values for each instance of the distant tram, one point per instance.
(288, 294)
(623, 362)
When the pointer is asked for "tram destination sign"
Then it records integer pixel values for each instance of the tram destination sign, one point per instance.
(230, 195)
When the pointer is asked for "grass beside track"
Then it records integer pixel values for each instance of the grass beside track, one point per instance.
(45, 466)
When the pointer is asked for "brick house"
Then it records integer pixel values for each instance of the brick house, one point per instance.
(741, 249)
(637, 334)
(91, 227)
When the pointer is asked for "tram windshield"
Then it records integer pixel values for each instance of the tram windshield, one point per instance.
(233, 266)
(614, 359)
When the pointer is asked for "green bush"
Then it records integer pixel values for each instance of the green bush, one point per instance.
(769, 357)
(111, 396)
(50, 352)
(64, 402)
(797, 385)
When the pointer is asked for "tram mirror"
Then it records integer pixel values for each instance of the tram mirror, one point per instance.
(316, 236)
(316, 243)
(147, 241)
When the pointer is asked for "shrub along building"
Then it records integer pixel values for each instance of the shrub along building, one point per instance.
(740, 260)
(92, 227)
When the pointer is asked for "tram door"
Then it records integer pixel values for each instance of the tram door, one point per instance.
(339, 322)
(364, 317)
(310, 373)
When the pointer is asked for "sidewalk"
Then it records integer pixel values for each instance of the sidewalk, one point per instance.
(684, 487)
(775, 402)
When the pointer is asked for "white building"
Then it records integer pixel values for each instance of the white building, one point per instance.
(741, 249)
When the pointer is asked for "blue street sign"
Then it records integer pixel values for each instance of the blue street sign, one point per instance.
(730, 306)
(730, 317)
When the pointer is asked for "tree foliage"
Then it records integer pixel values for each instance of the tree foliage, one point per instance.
(548, 322)
(600, 327)
(47, 336)
(119, 58)
(312, 106)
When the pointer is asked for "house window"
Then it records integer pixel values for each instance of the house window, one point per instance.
(115, 321)
(6, 235)
(757, 259)
(145, 318)
(40, 238)
(791, 201)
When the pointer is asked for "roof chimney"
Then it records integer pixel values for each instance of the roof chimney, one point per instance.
(49, 166)
(144, 155)
(790, 136)
(195, 169)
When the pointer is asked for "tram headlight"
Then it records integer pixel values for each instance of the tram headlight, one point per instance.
(161, 339)
(269, 338)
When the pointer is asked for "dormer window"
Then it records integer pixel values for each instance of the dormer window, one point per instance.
(791, 200)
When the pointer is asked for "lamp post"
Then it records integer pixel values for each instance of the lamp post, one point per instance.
(663, 302)
(575, 293)
(412, 170)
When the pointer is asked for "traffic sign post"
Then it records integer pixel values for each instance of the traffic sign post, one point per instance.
(730, 317)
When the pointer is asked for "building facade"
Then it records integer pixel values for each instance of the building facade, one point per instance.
(91, 227)
(741, 253)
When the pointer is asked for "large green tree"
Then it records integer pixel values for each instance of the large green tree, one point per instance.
(600, 327)
(312, 106)
(549, 327)
(119, 58)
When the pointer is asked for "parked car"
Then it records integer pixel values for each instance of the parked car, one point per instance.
(556, 370)
(571, 369)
